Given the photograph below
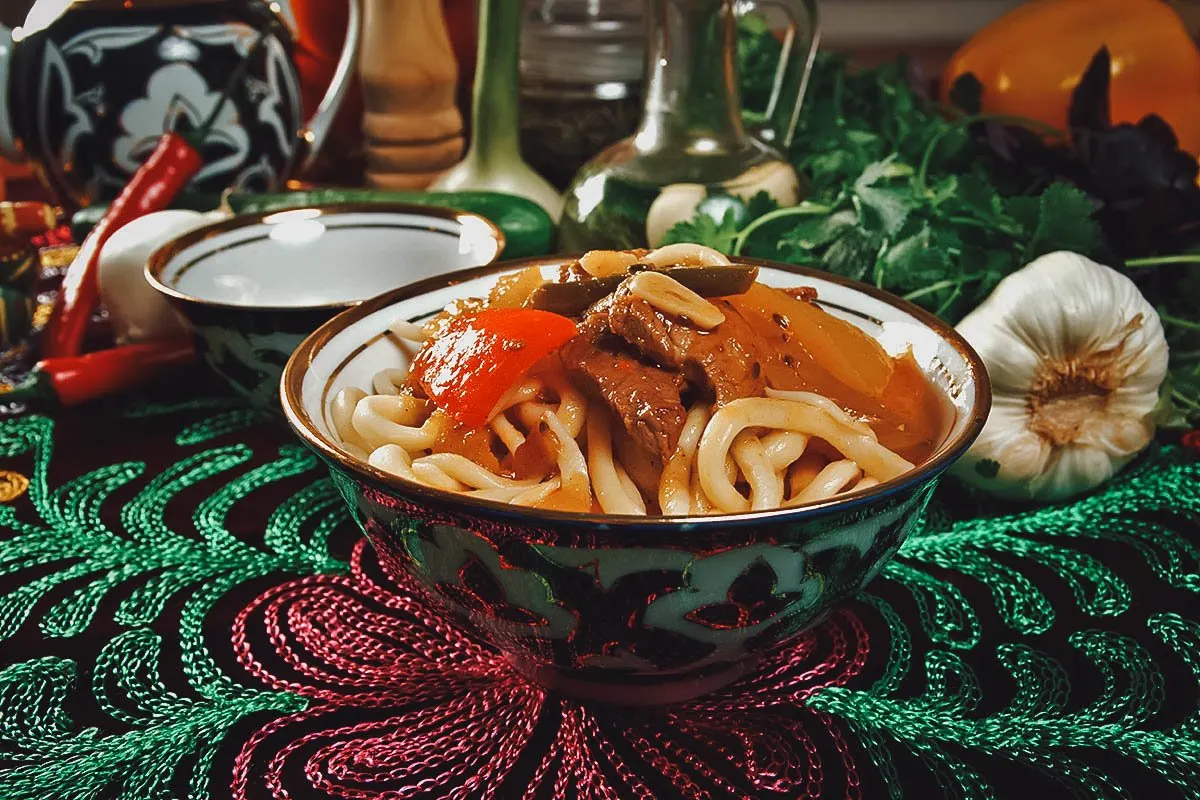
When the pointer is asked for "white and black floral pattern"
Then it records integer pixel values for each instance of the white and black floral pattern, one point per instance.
(91, 94)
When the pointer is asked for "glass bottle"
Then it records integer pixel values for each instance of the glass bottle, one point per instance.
(581, 80)
(691, 142)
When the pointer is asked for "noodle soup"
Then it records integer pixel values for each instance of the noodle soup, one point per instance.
(643, 383)
(626, 473)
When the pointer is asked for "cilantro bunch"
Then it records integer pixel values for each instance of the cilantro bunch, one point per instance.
(937, 203)
(899, 196)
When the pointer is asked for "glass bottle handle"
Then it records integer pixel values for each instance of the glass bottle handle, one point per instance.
(795, 65)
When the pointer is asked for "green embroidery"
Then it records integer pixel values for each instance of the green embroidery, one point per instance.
(946, 616)
(145, 562)
(1042, 722)
(232, 418)
(1036, 728)
(102, 540)
(57, 759)
(983, 548)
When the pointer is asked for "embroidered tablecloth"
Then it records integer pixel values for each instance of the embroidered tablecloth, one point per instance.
(186, 611)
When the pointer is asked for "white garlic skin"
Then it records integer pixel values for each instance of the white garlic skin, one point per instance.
(677, 202)
(777, 178)
(138, 312)
(1076, 357)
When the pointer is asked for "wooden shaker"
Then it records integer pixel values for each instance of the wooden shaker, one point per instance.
(412, 127)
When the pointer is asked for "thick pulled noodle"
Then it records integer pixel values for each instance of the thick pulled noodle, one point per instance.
(554, 440)
(763, 439)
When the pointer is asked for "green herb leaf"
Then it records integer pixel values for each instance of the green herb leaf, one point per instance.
(758, 54)
(852, 254)
(978, 197)
(916, 263)
(1065, 223)
(1023, 210)
(887, 207)
(705, 230)
(943, 191)
(760, 204)
(816, 232)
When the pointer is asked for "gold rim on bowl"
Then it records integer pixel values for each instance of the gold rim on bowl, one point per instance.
(293, 408)
(162, 256)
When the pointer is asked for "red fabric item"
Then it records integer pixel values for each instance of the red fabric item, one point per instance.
(321, 29)
(320, 32)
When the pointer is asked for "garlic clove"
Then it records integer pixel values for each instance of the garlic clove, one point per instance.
(1026, 453)
(1069, 468)
(674, 204)
(1120, 438)
(1076, 357)
(777, 178)
(1010, 360)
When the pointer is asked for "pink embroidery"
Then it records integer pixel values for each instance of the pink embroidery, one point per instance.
(405, 705)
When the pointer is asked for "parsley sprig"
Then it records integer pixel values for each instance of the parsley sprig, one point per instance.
(938, 203)
(899, 197)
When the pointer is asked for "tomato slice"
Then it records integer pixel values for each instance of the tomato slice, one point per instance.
(477, 358)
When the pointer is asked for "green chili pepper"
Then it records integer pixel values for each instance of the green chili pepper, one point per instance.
(86, 218)
(528, 229)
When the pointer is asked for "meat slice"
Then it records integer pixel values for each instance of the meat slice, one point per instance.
(645, 398)
(725, 360)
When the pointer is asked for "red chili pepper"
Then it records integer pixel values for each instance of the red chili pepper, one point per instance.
(74, 380)
(1191, 440)
(156, 182)
(479, 357)
(152, 188)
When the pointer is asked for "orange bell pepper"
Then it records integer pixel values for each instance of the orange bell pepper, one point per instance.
(468, 369)
(1030, 61)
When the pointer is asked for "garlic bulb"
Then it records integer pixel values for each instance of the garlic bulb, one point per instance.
(1076, 357)
(138, 312)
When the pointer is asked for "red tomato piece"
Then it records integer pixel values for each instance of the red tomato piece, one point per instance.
(479, 357)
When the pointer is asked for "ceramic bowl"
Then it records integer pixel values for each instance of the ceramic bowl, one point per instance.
(253, 286)
(622, 609)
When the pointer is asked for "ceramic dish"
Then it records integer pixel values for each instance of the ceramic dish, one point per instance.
(621, 608)
(252, 287)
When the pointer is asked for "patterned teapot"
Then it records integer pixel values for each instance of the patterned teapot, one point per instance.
(91, 85)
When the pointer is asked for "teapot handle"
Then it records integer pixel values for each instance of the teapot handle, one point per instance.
(9, 148)
(795, 66)
(313, 134)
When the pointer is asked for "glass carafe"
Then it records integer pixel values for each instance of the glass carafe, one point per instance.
(581, 80)
(692, 142)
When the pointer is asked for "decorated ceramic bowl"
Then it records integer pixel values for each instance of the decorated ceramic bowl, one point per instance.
(253, 286)
(623, 609)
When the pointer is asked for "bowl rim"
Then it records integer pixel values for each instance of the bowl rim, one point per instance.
(162, 256)
(297, 366)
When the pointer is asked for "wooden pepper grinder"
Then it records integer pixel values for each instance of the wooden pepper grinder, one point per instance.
(412, 127)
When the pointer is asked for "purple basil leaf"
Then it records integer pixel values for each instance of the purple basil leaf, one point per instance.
(1090, 109)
